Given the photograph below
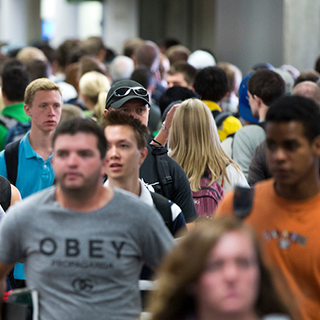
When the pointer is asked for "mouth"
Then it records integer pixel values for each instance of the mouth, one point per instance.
(72, 175)
(115, 166)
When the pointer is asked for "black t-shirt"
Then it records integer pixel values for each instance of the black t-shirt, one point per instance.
(181, 192)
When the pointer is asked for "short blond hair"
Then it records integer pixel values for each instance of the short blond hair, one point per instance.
(42, 84)
(28, 54)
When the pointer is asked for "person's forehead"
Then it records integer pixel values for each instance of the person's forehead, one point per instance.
(78, 140)
(177, 75)
(133, 103)
(289, 129)
(48, 94)
(119, 132)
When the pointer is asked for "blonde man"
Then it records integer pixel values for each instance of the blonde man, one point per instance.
(32, 154)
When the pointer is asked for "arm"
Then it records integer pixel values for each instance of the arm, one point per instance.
(4, 270)
(163, 135)
(15, 195)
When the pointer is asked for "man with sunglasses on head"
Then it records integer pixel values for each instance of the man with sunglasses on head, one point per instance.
(159, 171)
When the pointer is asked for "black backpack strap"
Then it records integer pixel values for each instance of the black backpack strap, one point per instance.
(165, 179)
(164, 207)
(5, 193)
(242, 201)
(221, 117)
(11, 155)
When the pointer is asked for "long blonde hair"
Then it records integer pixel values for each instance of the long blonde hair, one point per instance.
(194, 143)
(95, 86)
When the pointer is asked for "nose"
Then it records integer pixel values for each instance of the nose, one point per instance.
(51, 111)
(231, 272)
(113, 152)
(73, 159)
(279, 154)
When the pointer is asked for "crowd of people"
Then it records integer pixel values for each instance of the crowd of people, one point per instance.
(137, 166)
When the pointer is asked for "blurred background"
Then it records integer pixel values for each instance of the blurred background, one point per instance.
(243, 32)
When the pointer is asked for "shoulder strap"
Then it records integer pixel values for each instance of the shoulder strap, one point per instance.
(165, 179)
(11, 155)
(5, 193)
(242, 201)
(164, 207)
(221, 117)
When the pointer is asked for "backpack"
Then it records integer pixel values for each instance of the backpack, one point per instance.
(16, 129)
(17, 132)
(165, 179)
(11, 156)
(164, 207)
(207, 198)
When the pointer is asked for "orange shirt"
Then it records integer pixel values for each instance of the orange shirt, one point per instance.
(290, 235)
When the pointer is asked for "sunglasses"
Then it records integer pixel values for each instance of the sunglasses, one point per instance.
(124, 91)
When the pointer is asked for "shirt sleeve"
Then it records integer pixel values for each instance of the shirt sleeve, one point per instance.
(10, 244)
(178, 221)
(157, 240)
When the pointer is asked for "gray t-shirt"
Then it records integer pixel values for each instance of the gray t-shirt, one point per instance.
(85, 265)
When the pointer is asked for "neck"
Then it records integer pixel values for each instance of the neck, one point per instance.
(83, 200)
(263, 111)
(131, 185)
(41, 142)
(303, 190)
(8, 103)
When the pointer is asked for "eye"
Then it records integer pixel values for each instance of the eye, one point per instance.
(214, 266)
(291, 145)
(243, 263)
(140, 110)
(271, 145)
(85, 153)
(61, 153)
(124, 146)
(57, 105)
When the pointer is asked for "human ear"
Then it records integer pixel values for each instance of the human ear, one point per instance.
(143, 155)
(27, 110)
(316, 146)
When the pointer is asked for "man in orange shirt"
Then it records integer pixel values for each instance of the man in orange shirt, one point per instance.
(285, 209)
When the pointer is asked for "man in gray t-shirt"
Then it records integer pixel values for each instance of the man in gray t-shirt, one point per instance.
(83, 244)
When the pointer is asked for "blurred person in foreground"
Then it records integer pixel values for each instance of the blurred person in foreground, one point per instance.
(216, 272)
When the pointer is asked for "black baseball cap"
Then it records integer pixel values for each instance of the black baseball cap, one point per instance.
(116, 101)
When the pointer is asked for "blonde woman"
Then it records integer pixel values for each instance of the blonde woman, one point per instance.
(93, 89)
(216, 272)
(194, 143)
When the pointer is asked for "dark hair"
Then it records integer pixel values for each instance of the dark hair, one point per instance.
(64, 51)
(38, 69)
(142, 75)
(90, 63)
(141, 132)
(174, 94)
(80, 125)
(296, 108)
(15, 79)
(189, 72)
(211, 84)
(267, 85)
(310, 75)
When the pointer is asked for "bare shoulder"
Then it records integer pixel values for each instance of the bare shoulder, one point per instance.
(15, 195)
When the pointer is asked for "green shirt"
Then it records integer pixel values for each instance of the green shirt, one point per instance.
(14, 111)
